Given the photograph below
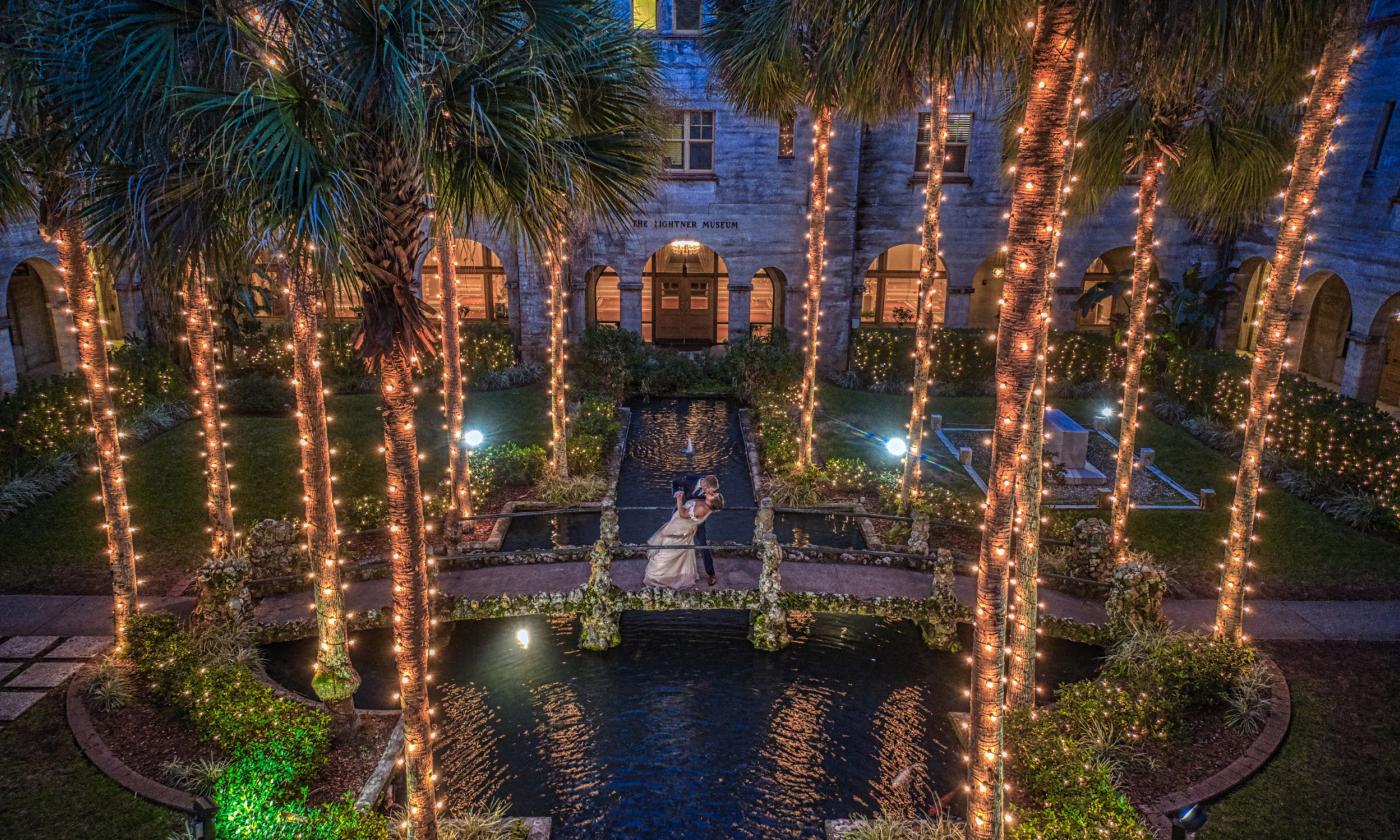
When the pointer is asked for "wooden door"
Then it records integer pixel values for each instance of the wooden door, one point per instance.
(684, 308)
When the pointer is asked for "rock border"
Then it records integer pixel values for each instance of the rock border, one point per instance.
(96, 751)
(1239, 771)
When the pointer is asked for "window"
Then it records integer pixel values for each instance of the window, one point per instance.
(481, 282)
(644, 14)
(1378, 145)
(891, 297)
(685, 16)
(955, 154)
(785, 136)
(690, 142)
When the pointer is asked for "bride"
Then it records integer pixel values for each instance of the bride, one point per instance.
(674, 568)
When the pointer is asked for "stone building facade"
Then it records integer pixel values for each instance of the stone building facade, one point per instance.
(720, 247)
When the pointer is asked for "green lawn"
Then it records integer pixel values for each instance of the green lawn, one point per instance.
(1301, 553)
(56, 546)
(50, 790)
(1338, 774)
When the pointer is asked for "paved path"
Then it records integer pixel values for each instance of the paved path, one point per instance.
(78, 615)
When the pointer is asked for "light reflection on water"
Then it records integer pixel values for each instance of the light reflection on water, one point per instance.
(686, 730)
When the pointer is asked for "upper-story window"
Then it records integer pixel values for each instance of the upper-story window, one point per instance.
(644, 14)
(690, 142)
(1373, 161)
(955, 156)
(786, 136)
(685, 17)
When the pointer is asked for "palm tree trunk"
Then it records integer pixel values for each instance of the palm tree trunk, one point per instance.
(81, 289)
(1276, 302)
(1040, 164)
(335, 679)
(459, 503)
(1023, 608)
(1140, 297)
(929, 300)
(412, 620)
(199, 324)
(816, 273)
(558, 359)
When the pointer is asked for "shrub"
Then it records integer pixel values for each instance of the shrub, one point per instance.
(514, 376)
(591, 433)
(256, 394)
(764, 367)
(1181, 671)
(1354, 445)
(110, 688)
(367, 512)
(818, 484)
(606, 360)
(964, 360)
(566, 492)
(275, 745)
(197, 776)
(938, 503)
(1251, 700)
(506, 465)
(887, 828)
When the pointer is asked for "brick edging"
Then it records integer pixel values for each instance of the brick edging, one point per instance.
(1238, 771)
(97, 752)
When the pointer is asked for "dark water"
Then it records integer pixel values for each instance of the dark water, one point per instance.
(655, 455)
(686, 731)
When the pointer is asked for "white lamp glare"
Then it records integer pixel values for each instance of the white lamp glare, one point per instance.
(897, 446)
(473, 438)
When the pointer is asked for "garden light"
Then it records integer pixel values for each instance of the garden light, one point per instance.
(522, 638)
(897, 446)
(473, 438)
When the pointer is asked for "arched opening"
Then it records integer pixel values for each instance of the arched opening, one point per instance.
(1325, 341)
(984, 304)
(1249, 304)
(481, 282)
(1112, 269)
(1387, 326)
(604, 298)
(32, 333)
(685, 295)
(891, 297)
(766, 301)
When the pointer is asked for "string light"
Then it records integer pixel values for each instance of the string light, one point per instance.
(558, 358)
(928, 294)
(80, 287)
(204, 361)
(459, 503)
(1276, 296)
(1040, 161)
(816, 276)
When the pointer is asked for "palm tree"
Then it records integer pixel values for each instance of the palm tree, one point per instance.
(1174, 75)
(1320, 116)
(903, 55)
(459, 502)
(771, 60)
(1036, 199)
(42, 160)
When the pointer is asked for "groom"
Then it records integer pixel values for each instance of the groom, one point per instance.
(692, 486)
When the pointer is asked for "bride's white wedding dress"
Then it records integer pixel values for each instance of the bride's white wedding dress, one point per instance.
(674, 568)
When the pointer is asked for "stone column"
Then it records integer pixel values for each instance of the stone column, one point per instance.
(578, 302)
(629, 290)
(959, 306)
(1361, 378)
(9, 373)
(739, 312)
(1062, 307)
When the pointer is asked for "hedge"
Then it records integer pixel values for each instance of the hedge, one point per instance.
(44, 418)
(965, 359)
(1313, 427)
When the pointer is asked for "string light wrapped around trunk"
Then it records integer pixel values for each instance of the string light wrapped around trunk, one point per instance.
(334, 679)
(199, 331)
(453, 385)
(1023, 587)
(81, 289)
(558, 360)
(929, 300)
(1320, 117)
(816, 275)
(1040, 166)
(1141, 296)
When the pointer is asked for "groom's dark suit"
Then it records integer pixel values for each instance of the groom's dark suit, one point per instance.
(689, 484)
